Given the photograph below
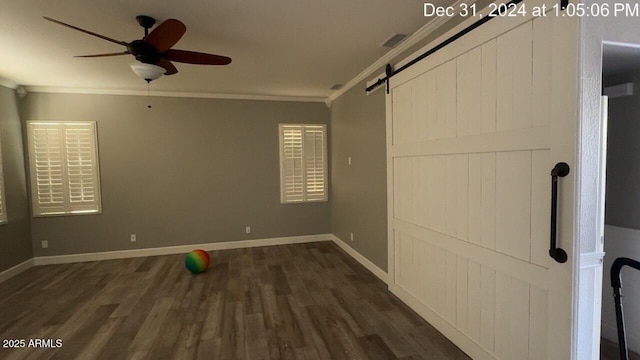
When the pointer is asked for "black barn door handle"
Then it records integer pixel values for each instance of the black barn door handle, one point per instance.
(560, 170)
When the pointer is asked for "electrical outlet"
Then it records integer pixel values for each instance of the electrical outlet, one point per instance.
(45, 244)
(351, 236)
(133, 238)
(248, 229)
(349, 160)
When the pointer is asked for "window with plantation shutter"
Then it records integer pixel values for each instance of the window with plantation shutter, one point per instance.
(3, 206)
(63, 162)
(303, 163)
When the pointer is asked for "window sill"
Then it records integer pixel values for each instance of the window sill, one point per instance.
(68, 214)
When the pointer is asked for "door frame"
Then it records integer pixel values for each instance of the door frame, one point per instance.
(594, 32)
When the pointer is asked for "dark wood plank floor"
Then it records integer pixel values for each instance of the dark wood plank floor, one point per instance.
(307, 301)
(610, 351)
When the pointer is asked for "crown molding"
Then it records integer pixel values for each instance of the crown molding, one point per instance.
(62, 90)
(416, 37)
(8, 83)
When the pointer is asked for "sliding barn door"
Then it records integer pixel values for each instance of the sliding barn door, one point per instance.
(473, 133)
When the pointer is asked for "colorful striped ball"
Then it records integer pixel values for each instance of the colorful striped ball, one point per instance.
(197, 261)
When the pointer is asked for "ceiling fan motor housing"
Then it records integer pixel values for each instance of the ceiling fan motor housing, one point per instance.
(144, 52)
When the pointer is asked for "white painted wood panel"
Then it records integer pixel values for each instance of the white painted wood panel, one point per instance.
(415, 278)
(441, 280)
(469, 68)
(440, 110)
(475, 198)
(446, 99)
(474, 308)
(422, 107)
(403, 193)
(519, 319)
(518, 268)
(424, 292)
(514, 66)
(541, 81)
(512, 318)
(452, 195)
(489, 86)
(462, 193)
(451, 287)
(474, 298)
(538, 323)
(430, 275)
(488, 201)
(432, 101)
(462, 294)
(502, 301)
(401, 266)
(471, 153)
(540, 206)
(401, 109)
(509, 140)
(513, 203)
(429, 190)
(419, 198)
(488, 306)
(439, 193)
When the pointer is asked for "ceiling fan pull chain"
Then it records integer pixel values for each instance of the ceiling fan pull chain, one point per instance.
(149, 94)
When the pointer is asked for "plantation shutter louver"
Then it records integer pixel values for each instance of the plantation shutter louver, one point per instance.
(46, 167)
(303, 163)
(292, 175)
(314, 156)
(64, 168)
(81, 170)
(3, 206)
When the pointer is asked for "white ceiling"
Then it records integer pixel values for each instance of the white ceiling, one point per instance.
(279, 47)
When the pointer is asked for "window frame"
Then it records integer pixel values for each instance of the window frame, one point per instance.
(68, 207)
(305, 199)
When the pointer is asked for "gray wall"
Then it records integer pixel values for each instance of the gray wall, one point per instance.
(15, 236)
(359, 190)
(623, 156)
(187, 171)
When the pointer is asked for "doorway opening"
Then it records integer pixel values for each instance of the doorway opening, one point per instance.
(621, 85)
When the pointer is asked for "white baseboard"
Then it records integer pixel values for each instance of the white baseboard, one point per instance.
(381, 274)
(181, 249)
(11, 272)
(123, 254)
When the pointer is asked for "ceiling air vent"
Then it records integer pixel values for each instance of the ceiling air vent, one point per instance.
(336, 87)
(393, 40)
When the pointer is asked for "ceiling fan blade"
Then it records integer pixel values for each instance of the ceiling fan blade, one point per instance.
(103, 55)
(165, 35)
(167, 65)
(192, 57)
(87, 31)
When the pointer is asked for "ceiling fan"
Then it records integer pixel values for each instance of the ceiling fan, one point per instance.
(155, 48)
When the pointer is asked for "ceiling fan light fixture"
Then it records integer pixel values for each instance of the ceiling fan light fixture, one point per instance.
(148, 72)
